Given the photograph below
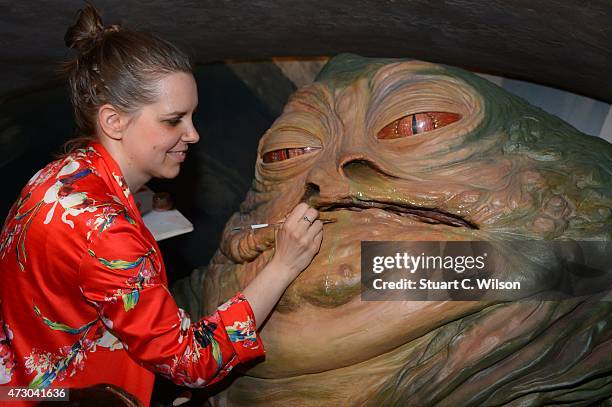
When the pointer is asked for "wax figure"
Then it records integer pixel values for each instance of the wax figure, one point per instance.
(84, 297)
(408, 150)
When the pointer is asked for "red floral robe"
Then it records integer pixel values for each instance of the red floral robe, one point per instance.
(84, 297)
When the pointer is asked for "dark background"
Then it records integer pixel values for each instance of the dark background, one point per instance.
(561, 43)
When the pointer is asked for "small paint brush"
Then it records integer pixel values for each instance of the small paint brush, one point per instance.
(266, 225)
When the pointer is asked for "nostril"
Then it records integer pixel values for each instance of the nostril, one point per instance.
(311, 190)
(361, 167)
(357, 163)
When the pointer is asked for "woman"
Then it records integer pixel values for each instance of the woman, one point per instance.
(84, 296)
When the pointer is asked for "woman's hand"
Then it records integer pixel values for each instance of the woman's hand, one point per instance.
(298, 240)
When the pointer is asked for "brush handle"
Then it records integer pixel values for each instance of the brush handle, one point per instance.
(265, 225)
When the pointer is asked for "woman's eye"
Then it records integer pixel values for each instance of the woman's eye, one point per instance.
(417, 123)
(173, 122)
(286, 153)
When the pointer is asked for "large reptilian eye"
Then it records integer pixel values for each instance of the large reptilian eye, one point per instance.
(417, 123)
(286, 153)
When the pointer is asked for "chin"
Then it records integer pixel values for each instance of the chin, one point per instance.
(169, 173)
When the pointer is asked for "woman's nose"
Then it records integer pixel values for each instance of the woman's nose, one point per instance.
(191, 136)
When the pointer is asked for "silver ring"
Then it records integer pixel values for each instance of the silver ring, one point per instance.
(308, 220)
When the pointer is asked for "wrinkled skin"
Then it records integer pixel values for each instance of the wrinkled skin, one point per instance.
(504, 171)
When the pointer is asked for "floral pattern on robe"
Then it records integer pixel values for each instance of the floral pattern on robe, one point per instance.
(88, 300)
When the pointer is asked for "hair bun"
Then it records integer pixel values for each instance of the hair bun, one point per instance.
(111, 29)
(87, 30)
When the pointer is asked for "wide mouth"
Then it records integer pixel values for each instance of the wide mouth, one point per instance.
(431, 216)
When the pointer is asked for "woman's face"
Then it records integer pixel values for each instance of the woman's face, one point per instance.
(156, 140)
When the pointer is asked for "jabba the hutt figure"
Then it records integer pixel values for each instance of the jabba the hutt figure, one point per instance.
(399, 150)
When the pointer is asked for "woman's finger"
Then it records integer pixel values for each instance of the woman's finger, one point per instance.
(318, 239)
(303, 223)
(297, 214)
(307, 220)
(311, 214)
(317, 226)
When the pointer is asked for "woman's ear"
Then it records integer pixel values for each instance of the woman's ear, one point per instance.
(112, 121)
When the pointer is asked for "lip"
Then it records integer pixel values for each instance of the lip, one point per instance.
(178, 155)
(423, 215)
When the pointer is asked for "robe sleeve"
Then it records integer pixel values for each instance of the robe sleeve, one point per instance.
(121, 275)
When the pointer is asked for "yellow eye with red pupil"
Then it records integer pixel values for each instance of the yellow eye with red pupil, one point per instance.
(417, 123)
(286, 153)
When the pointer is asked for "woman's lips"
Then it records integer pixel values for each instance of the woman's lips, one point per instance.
(178, 155)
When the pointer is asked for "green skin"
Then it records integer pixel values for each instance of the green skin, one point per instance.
(508, 169)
